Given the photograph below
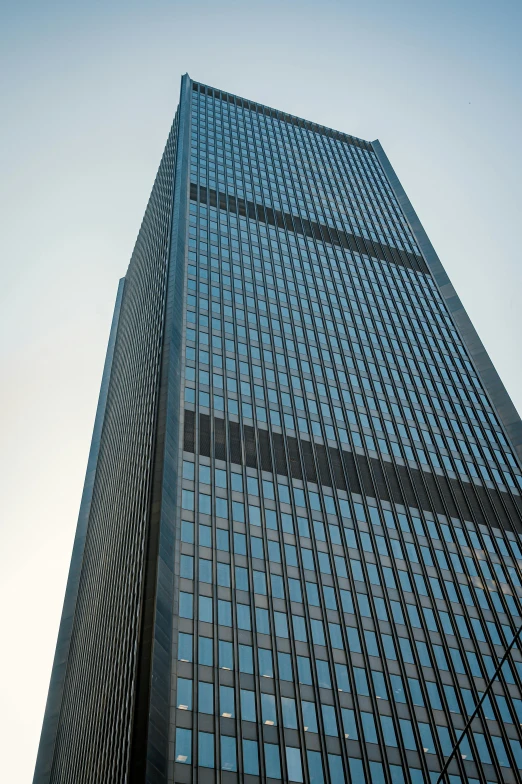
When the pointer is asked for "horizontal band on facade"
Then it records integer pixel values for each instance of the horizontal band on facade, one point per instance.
(297, 225)
(348, 471)
(282, 116)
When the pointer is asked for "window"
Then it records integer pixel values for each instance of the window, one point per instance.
(289, 713)
(248, 705)
(284, 661)
(356, 770)
(184, 746)
(368, 723)
(323, 674)
(246, 663)
(415, 691)
(341, 676)
(426, 738)
(228, 753)
(408, 737)
(315, 767)
(206, 749)
(187, 532)
(335, 765)
(268, 709)
(250, 757)
(272, 762)
(482, 747)
(226, 655)
(226, 702)
(361, 682)
(185, 605)
(243, 618)
(309, 716)
(388, 731)
(184, 694)
(205, 609)
(224, 612)
(500, 751)
(265, 663)
(293, 762)
(379, 685)
(184, 647)
(329, 720)
(376, 773)
(205, 697)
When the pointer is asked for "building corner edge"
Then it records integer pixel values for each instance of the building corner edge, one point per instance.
(44, 759)
(486, 371)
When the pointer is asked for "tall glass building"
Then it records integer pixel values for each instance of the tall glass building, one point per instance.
(298, 556)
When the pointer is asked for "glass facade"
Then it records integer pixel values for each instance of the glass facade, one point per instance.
(338, 619)
(347, 517)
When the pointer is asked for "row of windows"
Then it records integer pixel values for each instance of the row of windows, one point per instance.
(294, 280)
(351, 723)
(330, 159)
(357, 544)
(415, 594)
(457, 373)
(385, 433)
(489, 557)
(313, 178)
(272, 763)
(304, 714)
(297, 271)
(359, 398)
(382, 434)
(395, 291)
(257, 194)
(292, 276)
(433, 399)
(355, 224)
(386, 443)
(264, 623)
(271, 712)
(317, 566)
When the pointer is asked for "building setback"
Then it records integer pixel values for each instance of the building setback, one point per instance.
(298, 551)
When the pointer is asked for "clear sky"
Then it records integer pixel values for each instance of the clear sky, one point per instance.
(88, 93)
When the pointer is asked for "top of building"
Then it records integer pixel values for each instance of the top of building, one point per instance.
(279, 115)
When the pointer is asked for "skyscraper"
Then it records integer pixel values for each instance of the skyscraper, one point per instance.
(298, 550)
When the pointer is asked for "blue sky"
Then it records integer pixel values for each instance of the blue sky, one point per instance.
(88, 94)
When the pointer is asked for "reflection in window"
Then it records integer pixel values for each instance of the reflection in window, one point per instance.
(183, 746)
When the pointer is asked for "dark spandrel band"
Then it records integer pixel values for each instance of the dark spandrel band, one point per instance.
(283, 116)
(317, 231)
(344, 470)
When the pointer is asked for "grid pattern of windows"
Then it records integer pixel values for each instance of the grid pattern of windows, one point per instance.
(302, 559)
(350, 560)
(88, 737)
